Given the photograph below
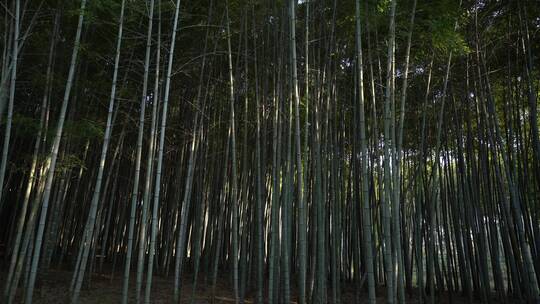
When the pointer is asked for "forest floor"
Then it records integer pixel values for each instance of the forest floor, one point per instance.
(53, 287)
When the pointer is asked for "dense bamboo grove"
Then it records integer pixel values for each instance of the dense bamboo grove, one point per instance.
(290, 150)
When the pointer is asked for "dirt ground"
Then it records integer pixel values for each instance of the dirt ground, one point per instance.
(53, 287)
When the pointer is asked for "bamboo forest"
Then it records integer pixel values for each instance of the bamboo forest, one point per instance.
(270, 151)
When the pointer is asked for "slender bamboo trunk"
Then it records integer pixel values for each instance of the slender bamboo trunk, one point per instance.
(52, 158)
(388, 185)
(34, 166)
(160, 155)
(9, 120)
(397, 167)
(366, 210)
(89, 229)
(135, 191)
(234, 202)
(302, 227)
